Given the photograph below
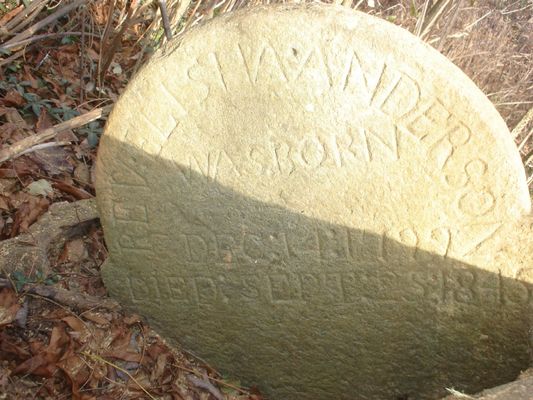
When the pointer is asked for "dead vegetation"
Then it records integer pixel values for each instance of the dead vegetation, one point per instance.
(62, 65)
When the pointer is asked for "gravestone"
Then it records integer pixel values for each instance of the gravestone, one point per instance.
(316, 202)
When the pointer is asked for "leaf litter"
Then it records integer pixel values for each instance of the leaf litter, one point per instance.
(56, 341)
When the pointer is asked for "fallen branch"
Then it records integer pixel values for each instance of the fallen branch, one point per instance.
(48, 20)
(22, 146)
(521, 127)
(16, 25)
(44, 146)
(23, 16)
(46, 36)
(164, 16)
(80, 301)
(11, 58)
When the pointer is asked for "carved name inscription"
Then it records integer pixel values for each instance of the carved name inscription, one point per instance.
(359, 287)
(394, 116)
(356, 269)
(208, 246)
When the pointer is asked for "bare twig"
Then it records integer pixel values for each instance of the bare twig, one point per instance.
(182, 9)
(528, 159)
(422, 18)
(44, 146)
(358, 4)
(81, 301)
(525, 140)
(109, 52)
(28, 20)
(103, 41)
(11, 58)
(164, 16)
(36, 38)
(449, 24)
(458, 394)
(23, 145)
(44, 22)
(433, 15)
(24, 16)
(477, 21)
(522, 125)
(191, 17)
(82, 54)
(124, 371)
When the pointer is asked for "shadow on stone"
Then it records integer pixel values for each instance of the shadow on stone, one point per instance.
(304, 308)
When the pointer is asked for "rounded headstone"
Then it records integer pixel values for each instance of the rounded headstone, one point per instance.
(317, 202)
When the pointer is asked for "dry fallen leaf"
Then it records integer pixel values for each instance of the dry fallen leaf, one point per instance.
(28, 213)
(98, 318)
(40, 188)
(74, 251)
(53, 160)
(44, 121)
(77, 193)
(13, 98)
(9, 306)
(45, 362)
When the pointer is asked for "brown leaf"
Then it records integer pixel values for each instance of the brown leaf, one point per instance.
(8, 173)
(24, 166)
(58, 340)
(13, 116)
(18, 198)
(8, 186)
(44, 121)
(81, 332)
(28, 213)
(29, 77)
(160, 364)
(4, 203)
(74, 323)
(82, 174)
(35, 365)
(77, 371)
(13, 98)
(4, 377)
(45, 362)
(132, 319)
(8, 349)
(77, 193)
(66, 136)
(10, 15)
(97, 317)
(54, 160)
(9, 306)
(8, 131)
(123, 354)
(74, 251)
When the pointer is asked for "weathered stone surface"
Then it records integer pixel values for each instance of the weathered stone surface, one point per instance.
(30, 251)
(317, 202)
(521, 389)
